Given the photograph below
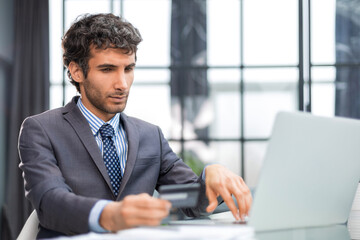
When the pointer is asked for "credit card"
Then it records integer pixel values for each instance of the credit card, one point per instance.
(181, 195)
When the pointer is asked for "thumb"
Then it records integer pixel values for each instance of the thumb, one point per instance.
(212, 200)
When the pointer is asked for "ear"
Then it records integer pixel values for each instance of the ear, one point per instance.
(76, 72)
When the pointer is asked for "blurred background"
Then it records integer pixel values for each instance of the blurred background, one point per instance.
(211, 73)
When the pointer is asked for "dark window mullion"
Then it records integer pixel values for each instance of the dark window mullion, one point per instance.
(308, 107)
(242, 124)
(301, 58)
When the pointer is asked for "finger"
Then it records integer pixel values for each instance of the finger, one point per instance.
(240, 195)
(212, 200)
(152, 214)
(155, 203)
(248, 202)
(246, 198)
(242, 207)
(231, 204)
(143, 222)
(145, 201)
(134, 212)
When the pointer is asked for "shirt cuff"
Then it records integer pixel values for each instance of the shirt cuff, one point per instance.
(94, 216)
(203, 172)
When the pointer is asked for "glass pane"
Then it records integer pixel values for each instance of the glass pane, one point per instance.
(267, 91)
(225, 153)
(347, 98)
(225, 103)
(117, 7)
(55, 31)
(323, 31)
(217, 76)
(270, 32)
(226, 123)
(7, 36)
(254, 156)
(223, 32)
(74, 8)
(271, 75)
(56, 97)
(152, 18)
(323, 99)
(175, 146)
(198, 114)
(191, 108)
(152, 104)
(323, 74)
(347, 32)
(152, 76)
(70, 92)
(56, 80)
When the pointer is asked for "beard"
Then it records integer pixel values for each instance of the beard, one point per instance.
(100, 100)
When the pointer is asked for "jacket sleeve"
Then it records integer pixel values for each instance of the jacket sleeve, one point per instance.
(58, 208)
(175, 171)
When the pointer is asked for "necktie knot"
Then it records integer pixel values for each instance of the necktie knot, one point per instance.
(106, 131)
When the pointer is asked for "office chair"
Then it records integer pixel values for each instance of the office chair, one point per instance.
(30, 229)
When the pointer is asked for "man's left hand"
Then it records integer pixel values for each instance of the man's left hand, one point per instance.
(222, 182)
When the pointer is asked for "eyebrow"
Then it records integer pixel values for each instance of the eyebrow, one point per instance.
(108, 65)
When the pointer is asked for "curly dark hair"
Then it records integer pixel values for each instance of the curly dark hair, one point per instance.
(99, 30)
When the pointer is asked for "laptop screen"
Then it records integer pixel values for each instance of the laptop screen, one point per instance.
(310, 172)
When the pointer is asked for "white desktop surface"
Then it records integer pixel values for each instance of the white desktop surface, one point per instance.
(197, 230)
(176, 232)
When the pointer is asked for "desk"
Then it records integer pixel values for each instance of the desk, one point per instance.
(206, 229)
(336, 232)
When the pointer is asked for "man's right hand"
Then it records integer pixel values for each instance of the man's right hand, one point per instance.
(132, 211)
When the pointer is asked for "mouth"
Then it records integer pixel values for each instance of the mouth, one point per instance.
(118, 98)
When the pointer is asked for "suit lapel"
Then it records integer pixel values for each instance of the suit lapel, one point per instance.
(75, 118)
(133, 145)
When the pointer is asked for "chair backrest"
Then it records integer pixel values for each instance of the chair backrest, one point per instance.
(31, 228)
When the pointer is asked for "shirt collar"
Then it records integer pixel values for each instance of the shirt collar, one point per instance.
(95, 122)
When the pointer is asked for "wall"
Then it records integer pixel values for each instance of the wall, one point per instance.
(6, 58)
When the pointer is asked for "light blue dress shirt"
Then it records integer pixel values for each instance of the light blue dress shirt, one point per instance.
(121, 145)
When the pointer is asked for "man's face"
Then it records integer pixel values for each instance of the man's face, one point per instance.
(105, 90)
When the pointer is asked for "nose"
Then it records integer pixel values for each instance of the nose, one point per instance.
(120, 82)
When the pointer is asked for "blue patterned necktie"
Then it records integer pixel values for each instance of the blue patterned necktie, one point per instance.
(111, 159)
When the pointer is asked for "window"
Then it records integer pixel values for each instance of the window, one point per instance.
(261, 57)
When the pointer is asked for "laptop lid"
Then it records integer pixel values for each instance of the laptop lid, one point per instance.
(310, 173)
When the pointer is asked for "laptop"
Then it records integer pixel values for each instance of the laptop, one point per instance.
(310, 173)
(309, 176)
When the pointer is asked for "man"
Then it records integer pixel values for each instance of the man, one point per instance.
(89, 167)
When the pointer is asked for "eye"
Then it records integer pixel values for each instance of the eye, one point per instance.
(129, 69)
(105, 70)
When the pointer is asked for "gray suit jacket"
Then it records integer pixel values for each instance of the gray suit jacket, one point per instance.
(65, 174)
